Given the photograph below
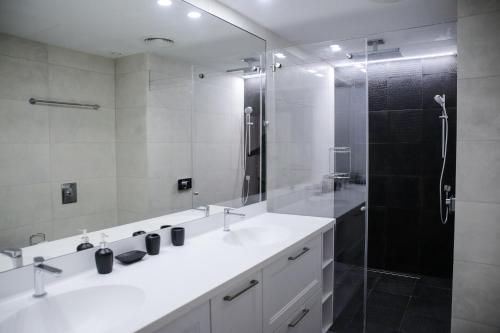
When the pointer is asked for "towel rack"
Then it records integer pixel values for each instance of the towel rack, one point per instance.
(65, 104)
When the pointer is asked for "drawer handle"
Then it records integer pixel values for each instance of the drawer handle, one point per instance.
(229, 298)
(299, 318)
(304, 250)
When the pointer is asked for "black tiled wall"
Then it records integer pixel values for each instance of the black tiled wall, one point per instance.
(405, 232)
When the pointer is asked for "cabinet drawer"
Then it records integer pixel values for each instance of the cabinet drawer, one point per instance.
(289, 280)
(239, 307)
(196, 321)
(305, 320)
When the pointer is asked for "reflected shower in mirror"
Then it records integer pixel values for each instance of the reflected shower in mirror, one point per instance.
(121, 123)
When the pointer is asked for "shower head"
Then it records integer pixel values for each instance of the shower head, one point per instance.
(441, 100)
(248, 110)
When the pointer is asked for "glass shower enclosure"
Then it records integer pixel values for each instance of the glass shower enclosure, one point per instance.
(317, 158)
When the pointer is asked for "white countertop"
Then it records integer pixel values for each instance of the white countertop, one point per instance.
(181, 278)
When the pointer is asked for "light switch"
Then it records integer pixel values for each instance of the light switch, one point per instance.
(68, 192)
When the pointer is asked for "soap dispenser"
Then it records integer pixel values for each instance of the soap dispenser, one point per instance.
(104, 257)
(85, 244)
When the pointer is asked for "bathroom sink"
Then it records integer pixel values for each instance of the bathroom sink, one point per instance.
(84, 310)
(255, 236)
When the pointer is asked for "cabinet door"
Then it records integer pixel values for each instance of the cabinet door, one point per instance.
(195, 321)
(238, 309)
(306, 320)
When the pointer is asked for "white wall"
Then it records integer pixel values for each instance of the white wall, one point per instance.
(476, 271)
(43, 147)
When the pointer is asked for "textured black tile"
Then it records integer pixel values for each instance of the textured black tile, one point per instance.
(395, 159)
(446, 64)
(431, 159)
(415, 323)
(426, 291)
(396, 285)
(431, 127)
(379, 127)
(439, 84)
(406, 126)
(430, 188)
(403, 192)
(378, 298)
(404, 68)
(377, 94)
(371, 281)
(404, 92)
(435, 308)
(376, 190)
(402, 245)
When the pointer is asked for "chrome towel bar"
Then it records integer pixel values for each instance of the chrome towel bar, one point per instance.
(65, 104)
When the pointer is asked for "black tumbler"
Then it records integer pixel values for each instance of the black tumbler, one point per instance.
(177, 236)
(165, 226)
(153, 244)
(137, 233)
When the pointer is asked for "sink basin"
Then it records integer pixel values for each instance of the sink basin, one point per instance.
(256, 236)
(83, 310)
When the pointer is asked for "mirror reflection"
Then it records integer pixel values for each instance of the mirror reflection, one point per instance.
(122, 117)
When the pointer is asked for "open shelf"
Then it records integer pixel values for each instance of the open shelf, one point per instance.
(327, 262)
(327, 281)
(326, 297)
(327, 315)
(328, 245)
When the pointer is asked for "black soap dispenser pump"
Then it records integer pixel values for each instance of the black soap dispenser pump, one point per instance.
(85, 244)
(104, 257)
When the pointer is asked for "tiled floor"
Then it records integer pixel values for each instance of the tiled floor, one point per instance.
(398, 304)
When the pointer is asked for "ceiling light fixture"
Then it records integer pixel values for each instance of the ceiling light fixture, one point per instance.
(280, 55)
(319, 75)
(194, 15)
(312, 71)
(164, 3)
(335, 48)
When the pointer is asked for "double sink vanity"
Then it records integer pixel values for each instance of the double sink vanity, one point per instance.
(269, 273)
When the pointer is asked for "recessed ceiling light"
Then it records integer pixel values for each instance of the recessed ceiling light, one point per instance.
(319, 75)
(335, 48)
(312, 71)
(164, 2)
(194, 15)
(280, 55)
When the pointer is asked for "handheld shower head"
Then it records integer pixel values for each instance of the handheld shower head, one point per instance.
(441, 100)
(248, 110)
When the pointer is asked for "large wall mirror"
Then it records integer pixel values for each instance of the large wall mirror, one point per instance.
(122, 115)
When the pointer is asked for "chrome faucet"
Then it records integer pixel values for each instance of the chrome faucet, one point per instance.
(227, 212)
(39, 269)
(205, 208)
(15, 254)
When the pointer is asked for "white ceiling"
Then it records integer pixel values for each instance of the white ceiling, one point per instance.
(105, 26)
(309, 21)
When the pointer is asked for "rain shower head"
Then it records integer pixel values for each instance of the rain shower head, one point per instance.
(440, 100)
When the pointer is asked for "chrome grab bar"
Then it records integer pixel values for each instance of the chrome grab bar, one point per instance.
(65, 104)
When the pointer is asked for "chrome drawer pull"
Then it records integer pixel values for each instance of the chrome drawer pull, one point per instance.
(304, 250)
(299, 318)
(229, 298)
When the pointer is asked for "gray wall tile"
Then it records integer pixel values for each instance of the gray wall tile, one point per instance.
(474, 7)
(478, 46)
(464, 326)
(22, 122)
(479, 109)
(22, 48)
(478, 178)
(476, 292)
(477, 231)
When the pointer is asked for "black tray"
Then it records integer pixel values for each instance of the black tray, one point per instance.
(130, 257)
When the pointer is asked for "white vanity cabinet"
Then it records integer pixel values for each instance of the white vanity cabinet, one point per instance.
(239, 307)
(289, 281)
(195, 321)
(307, 319)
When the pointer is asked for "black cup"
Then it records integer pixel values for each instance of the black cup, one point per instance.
(165, 226)
(177, 236)
(137, 233)
(153, 244)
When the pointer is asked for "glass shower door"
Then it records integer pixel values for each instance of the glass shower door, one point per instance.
(317, 157)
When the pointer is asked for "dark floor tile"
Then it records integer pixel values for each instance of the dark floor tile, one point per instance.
(396, 285)
(435, 308)
(370, 328)
(430, 292)
(383, 316)
(371, 282)
(436, 282)
(382, 299)
(415, 323)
